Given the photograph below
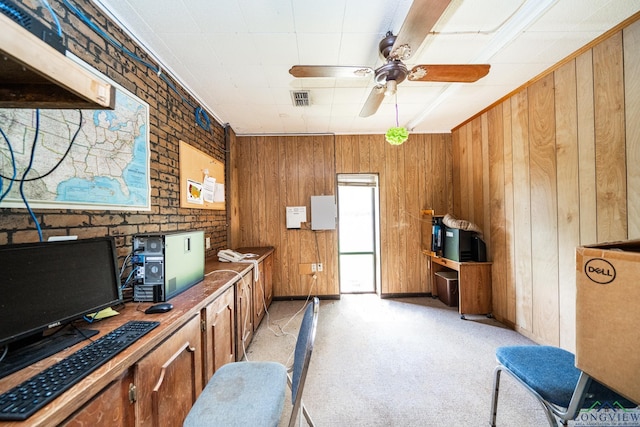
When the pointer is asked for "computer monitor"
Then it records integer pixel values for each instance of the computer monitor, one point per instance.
(47, 284)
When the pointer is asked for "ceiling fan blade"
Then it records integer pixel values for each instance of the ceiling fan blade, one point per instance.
(420, 20)
(461, 73)
(373, 101)
(329, 71)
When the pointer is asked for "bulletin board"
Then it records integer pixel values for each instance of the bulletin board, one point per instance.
(201, 179)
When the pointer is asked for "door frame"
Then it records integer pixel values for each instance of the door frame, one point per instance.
(370, 180)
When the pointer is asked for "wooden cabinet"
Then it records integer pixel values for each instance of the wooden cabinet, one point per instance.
(111, 407)
(259, 297)
(262, 291)
(219, 340)
(244, 313)
(267, 271)
(169, 379)
(474, 284)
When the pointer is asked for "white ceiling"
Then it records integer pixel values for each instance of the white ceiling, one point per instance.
(234, 55)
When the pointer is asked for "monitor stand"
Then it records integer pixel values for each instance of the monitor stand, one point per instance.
(21, 356)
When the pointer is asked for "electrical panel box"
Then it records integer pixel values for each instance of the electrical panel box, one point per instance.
(296, 215)
(323, 213)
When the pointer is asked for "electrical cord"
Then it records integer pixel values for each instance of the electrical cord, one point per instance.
(24, 178)
(4, 352)
(64, 156)
(244, 294)
(53, 15)
(201, 117)
(283, 332)
(269, 323)
(80, 331)
(13, 164)
(24, 175)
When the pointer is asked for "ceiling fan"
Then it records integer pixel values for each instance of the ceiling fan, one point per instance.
(421, 18)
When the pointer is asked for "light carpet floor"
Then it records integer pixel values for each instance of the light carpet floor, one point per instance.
(398, 362)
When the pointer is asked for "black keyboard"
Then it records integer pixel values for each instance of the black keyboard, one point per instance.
(25, 399)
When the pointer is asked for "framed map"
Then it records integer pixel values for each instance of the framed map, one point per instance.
(105, 167)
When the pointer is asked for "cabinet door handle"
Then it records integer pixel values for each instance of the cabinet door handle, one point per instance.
(187, 346)
(133, 395)
(155, 395)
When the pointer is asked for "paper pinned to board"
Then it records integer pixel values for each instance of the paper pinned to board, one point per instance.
(218, 193)
(194, 192)
(208, 189)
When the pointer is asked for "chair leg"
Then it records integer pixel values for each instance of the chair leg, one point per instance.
(494, 402)
(494, 399)
(307, 416)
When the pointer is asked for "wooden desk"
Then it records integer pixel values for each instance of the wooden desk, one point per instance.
(474, 283)
(154, 381)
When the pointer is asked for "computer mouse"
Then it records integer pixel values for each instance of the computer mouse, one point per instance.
(163, 307)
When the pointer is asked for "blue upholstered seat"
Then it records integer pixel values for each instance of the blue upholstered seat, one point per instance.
(550, 371)
(251, 394)
(550, 374)
(241, 394)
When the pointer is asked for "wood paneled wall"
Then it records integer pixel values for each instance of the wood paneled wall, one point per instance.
(278, 171)
(550, 168)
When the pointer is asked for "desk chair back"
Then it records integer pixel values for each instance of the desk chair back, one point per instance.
(302, 356)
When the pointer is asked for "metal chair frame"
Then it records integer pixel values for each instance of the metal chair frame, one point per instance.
(302, 357)
(551, 411)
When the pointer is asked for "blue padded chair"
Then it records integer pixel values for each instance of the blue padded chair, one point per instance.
(245, 394)
(549, 373)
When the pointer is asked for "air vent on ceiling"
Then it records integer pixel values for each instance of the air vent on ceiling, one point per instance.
(300, 98)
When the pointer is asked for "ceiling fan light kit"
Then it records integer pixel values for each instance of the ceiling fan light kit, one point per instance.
(418, 24)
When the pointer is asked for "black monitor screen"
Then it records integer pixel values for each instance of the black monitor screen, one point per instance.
(46, 284)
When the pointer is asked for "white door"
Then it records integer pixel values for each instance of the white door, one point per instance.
(358, 236)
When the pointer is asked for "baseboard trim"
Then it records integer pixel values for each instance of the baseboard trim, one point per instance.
(303, 297)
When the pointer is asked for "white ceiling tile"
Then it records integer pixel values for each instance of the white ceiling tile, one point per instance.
(164, 15)
(324, 16)
(476, 16)
(360, 49)
(218, 16)
(586, 15)
(365, 16)
(451, 49)
(235, 55)
(267, 16)
(318, 48)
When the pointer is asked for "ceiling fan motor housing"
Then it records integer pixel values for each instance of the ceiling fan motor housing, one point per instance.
(392, 70)
(386, 44)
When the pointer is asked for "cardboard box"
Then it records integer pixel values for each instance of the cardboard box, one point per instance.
(608, 315)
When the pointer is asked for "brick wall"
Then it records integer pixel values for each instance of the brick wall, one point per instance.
(171, 119)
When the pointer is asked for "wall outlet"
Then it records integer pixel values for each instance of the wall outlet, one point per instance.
(319, 266)
(314, 267)
(207, 242)
(305, 269)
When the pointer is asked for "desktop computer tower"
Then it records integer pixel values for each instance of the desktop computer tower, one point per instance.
(166, 264)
